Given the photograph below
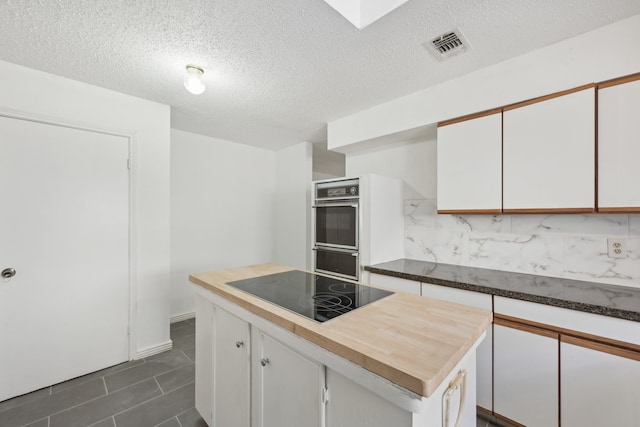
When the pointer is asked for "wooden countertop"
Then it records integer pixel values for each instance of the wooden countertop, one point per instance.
(410, 340)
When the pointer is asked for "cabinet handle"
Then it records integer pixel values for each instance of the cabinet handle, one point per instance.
(264, 362)
(239, 344)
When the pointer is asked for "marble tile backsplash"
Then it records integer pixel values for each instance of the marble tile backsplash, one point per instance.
(569, 246)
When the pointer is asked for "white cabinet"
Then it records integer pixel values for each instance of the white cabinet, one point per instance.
(222, 371)
(599, 388)
(469, 166)
(204, 356)
(525, 376)
(619, 145)
(549, 154)
(288, 388)
(395, 283)
(231, 364)
(484, 353)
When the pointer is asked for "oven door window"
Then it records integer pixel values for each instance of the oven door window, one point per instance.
(337, 226)
(338, 263)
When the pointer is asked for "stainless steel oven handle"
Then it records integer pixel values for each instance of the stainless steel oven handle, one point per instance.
(316, 248)
(336, 205)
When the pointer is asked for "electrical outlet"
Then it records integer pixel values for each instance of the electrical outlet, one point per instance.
(616, 248)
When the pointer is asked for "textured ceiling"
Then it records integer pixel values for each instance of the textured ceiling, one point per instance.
(277, 71)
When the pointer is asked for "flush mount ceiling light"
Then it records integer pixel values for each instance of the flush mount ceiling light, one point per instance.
(193, 80)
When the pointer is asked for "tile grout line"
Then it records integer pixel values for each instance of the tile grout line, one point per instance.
(100, 397)
(154, 376)
(159, 386)
(147, 401)
(104, 419)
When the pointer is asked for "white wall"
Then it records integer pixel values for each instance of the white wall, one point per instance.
(37, 94)
(605, 53)
(293, 200)
(222, 209)
(326, 164)
(414, 162)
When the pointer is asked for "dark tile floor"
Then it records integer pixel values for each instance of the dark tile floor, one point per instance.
(155, 391)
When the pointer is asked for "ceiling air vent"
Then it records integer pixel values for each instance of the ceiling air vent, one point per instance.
(448, 44)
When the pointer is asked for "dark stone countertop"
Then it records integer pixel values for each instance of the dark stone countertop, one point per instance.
(597, 298)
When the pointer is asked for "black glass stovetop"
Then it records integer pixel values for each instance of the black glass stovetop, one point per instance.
(317, 297)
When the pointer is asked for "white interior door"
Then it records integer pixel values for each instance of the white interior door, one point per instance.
(64, 227)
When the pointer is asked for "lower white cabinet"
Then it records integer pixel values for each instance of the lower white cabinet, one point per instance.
(241, 369)
(288, 388)
(204, 352)
(525, 376)
(231, 370)
(223, 381)
(395, 283)
(598, 388)
(484, 353)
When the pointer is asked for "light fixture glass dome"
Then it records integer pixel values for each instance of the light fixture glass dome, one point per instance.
(193, 80)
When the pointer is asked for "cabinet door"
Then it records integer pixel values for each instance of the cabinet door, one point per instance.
(525, 376)
(290, 387)
(598, 388)
(619, 147)
(204, 357)
(470, 165)
(484, 353)
(395, 283)
(549, 154)
(231, 371)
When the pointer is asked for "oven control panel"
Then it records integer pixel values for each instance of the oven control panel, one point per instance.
(338, 189)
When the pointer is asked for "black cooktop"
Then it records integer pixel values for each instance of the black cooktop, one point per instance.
(317, 297)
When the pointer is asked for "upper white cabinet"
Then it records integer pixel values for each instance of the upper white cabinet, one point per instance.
(549, 153)
(470, 164)
(619, 145)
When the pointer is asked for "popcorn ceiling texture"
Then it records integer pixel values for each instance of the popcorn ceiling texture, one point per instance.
(277, 71)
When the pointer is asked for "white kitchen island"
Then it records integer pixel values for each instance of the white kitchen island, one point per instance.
(392, 362)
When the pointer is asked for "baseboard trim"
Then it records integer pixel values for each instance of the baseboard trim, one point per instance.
(180, 317)
(154, 349)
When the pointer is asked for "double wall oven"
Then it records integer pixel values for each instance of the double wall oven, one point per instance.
(336, 221)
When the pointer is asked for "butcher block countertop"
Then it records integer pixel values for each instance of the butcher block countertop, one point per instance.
(409, 340)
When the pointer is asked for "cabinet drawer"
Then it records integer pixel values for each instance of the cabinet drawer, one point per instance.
(588, 323)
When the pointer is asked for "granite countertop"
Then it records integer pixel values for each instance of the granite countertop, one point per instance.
(411, 341)
(598, 298)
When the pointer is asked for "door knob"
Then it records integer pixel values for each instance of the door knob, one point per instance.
(264, 362)
(7, 273)
(239, 344)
